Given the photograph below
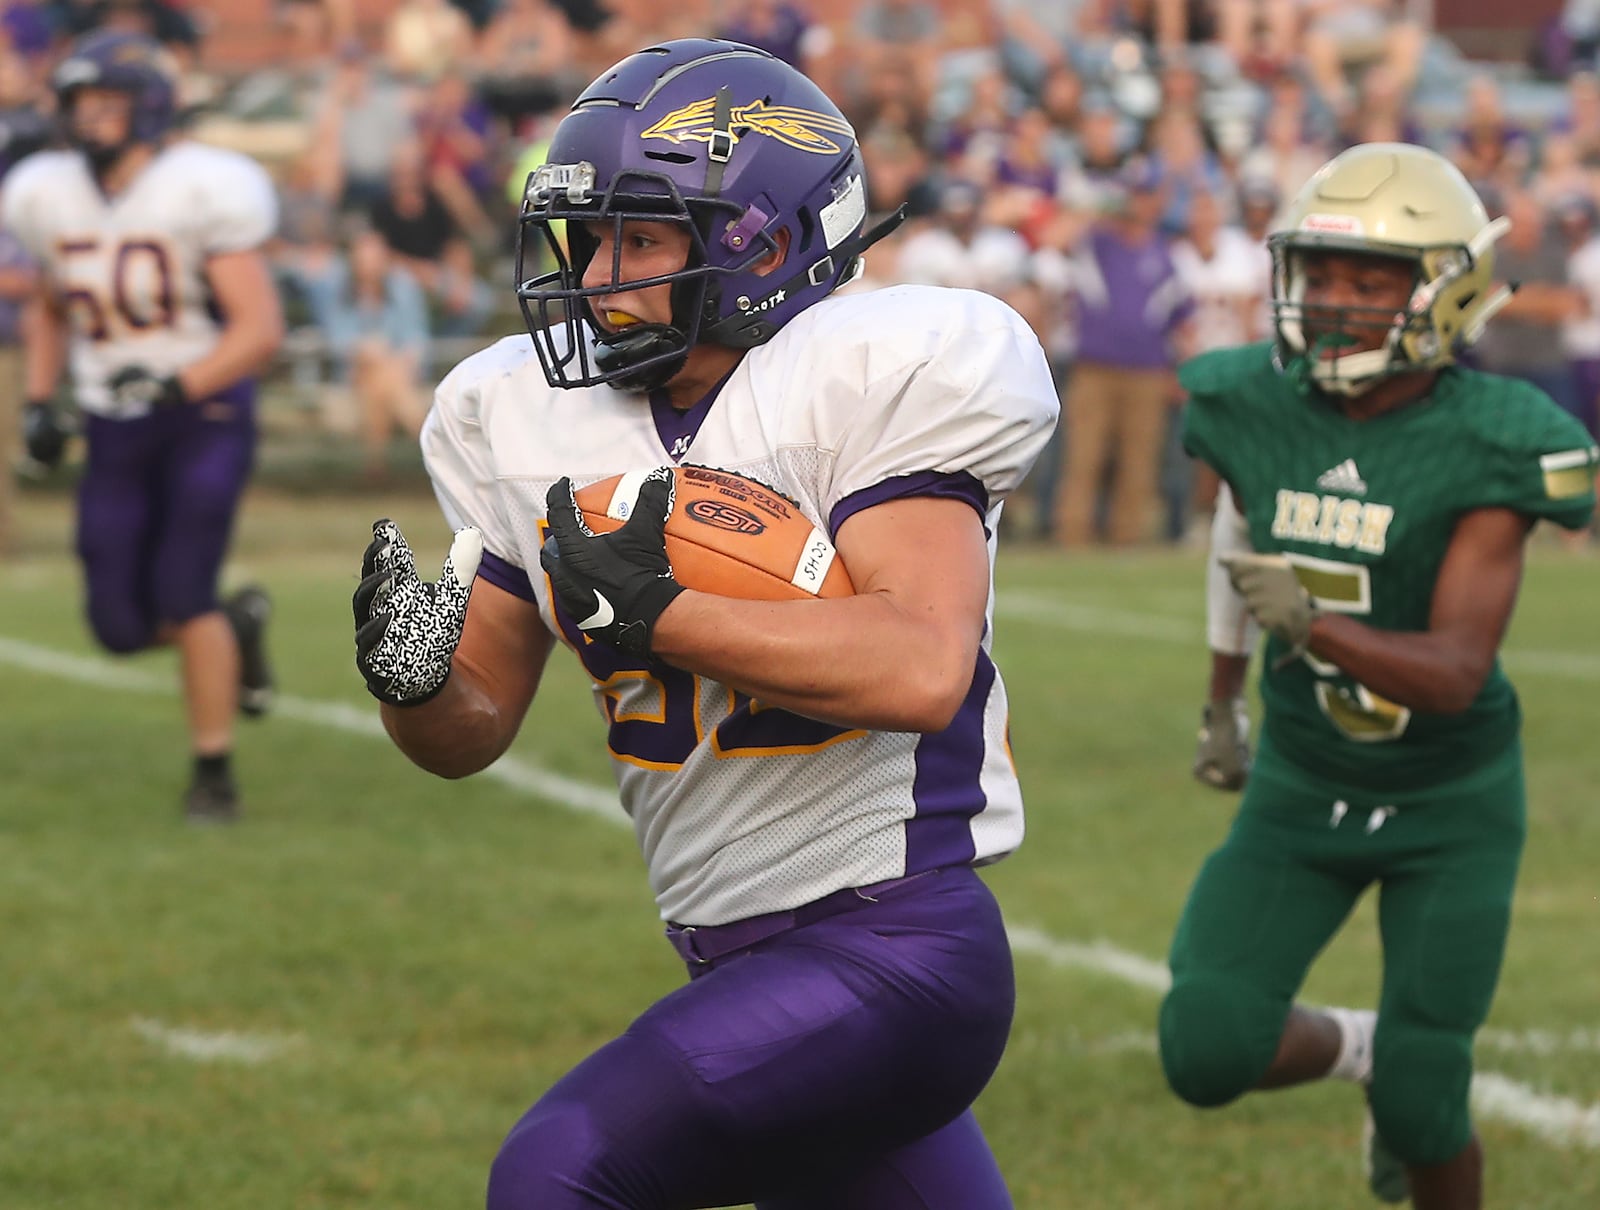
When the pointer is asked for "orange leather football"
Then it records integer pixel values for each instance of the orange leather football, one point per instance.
(729, 535)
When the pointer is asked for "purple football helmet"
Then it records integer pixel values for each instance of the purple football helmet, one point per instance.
(129, 63)
(729, 141)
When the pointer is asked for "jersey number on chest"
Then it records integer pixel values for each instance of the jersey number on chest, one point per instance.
(1357, 712)
(114, 290)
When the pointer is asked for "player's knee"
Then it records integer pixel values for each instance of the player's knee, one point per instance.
(1421, 1084)
(120, 629)
(553, 1157)
(1216, 1039)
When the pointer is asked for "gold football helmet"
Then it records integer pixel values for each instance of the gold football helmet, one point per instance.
(1396, 200)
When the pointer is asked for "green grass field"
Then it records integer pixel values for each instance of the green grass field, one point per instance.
(347, 999)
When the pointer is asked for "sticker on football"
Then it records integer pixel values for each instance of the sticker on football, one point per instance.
(729, 535)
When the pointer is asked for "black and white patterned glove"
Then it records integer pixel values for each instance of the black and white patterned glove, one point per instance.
(136, 387)
(1222, 754)
(45, 429)
(613, 585)
(407, 630)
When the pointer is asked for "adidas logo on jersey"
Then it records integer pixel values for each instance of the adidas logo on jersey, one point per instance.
(1332, 520)
(1343, 478)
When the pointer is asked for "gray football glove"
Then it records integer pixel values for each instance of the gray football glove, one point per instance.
(407, 630)
(1274, 596)
(1222, 756)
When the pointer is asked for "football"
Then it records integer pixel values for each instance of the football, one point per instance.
(729, 535)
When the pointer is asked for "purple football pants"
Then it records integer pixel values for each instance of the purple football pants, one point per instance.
(155, 511)
(828, 1067)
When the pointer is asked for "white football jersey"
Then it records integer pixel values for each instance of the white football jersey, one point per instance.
(131, 269)
(741, 809)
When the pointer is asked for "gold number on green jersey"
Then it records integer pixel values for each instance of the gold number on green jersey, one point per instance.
(1357, 712)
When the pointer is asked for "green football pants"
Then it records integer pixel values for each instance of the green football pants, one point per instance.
(1300, 853)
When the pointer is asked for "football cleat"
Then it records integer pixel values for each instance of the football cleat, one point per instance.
(211, 800)
(248, 612)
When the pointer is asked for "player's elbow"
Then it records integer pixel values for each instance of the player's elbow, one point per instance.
(1455, 692)
(931, 699)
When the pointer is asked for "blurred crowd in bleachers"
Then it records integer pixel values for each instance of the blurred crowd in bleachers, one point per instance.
(1110, 167)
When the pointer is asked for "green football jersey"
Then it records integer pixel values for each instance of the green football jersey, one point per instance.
(1365, 510)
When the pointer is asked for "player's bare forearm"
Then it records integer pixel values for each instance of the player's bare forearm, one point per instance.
(861, 661)
(1442, 669)
(1423, 671)
(44, 345)
(897, 656)
(1227, 675)
(460, 732)
(252, 333)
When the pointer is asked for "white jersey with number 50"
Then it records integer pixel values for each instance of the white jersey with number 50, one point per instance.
(741, 808)
(130, 270)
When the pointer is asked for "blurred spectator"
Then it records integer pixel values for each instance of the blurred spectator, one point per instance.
(1037, 36)
(1221, 268)
(1382, 113)
(891, 97)
(1488, 147)
(455, 130)
(525, 59)
(979, 129)
(1261, 36)
(1168, 25)
(25, 125)
(1101, 153)
(31, 28)
(410, 216)
(961, 249)
(1579, 118)
(1259, 200)
(376, 322)
(897, 173)
(1187, 167)
(1580, 331)
(1524, 341)
(18, 280)
(1133, 327)
(1560, 175)
(777, 27)
(365, 115)
(901, 32)
(461, 300)
(1028, 166)
(1346, 35)
(427, 38)
(1283, 154)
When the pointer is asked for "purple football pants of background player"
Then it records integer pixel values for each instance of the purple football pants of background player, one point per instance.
(155, 511)
(828, 1067)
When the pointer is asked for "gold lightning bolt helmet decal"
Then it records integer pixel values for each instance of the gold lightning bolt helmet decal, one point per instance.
(802, 129)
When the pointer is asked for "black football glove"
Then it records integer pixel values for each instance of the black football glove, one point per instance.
(136, 387)
(613, 585)
(45, 429)
(406, 630)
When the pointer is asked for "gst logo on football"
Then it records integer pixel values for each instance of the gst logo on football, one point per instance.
(1332, 521)
(802, 129)
(725, 516)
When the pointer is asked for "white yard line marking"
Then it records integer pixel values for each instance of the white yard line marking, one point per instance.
(212, 1046)
(1165, 628)
(1557, 1120)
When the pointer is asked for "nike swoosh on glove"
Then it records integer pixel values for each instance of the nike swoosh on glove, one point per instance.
(407, 629)
(614, 585)
(1274, 596)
